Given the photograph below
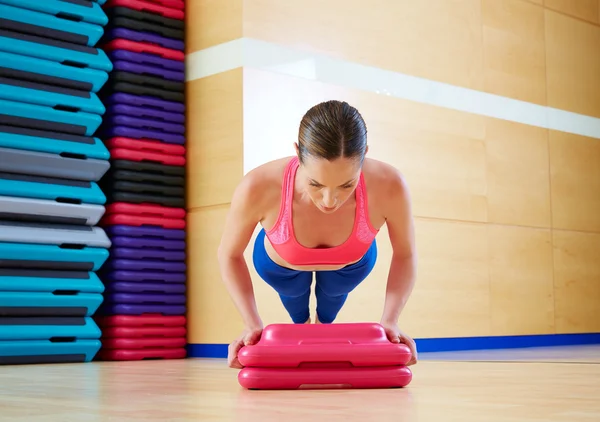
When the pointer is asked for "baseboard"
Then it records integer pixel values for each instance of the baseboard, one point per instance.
(448, 344)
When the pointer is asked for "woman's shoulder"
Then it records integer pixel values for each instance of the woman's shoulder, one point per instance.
(383, 177)
(387, 187)
(261, 186)
(267, 175)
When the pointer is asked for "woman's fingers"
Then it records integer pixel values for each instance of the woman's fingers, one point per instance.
(232, 352)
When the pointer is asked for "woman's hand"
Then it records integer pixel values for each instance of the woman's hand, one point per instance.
(249, 336)
(395, 335)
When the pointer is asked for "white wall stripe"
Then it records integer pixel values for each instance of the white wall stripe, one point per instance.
(251, 53)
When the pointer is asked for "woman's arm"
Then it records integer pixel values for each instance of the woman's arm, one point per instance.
(244, 214)
(402, 273)
(401, 277)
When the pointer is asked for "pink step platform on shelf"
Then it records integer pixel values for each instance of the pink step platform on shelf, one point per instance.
(352, 355)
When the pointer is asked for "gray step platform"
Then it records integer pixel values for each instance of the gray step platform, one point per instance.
(53, 234)
(52, 165)
(48, 211)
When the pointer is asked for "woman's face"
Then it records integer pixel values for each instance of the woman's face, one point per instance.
(329, 183)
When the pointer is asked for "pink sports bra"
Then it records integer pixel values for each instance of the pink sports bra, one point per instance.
(284, 241)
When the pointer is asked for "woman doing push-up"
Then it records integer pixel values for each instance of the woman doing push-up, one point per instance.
(320, 212)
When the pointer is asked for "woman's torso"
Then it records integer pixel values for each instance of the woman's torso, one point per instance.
(313, 228)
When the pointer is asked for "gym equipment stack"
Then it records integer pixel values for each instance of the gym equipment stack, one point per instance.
(51, 161)
(143, 313)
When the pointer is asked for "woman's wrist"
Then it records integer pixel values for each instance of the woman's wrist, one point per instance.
(253, 323)
(387, 319)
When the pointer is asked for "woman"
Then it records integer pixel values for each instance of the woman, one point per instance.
(320, 212)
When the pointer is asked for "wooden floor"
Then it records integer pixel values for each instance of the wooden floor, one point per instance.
(556, 384)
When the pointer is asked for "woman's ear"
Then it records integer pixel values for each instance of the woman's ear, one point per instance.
(297, 148)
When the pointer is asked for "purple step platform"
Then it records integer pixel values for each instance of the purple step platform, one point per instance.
(146, 253)
(146, 37)
(140, 69)
(146, 59)
(145, 113)
(145, 232)
(130, 309)
(114, 119)
(129, 132)
(144, 298)
(126, 287)
(143, 101)
(143, 276)
(147, 243)
(144, 265)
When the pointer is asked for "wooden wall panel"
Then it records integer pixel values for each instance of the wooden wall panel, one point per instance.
(441, 152)
(518, 178)
(575, 170)
(497, 46)
(577, 281)
(572, 64)
(514, 50)
(521, 280)
(588, 10)
(212, 22)
(214, 138)
(452, 295)
(214, 318)
(434, 39)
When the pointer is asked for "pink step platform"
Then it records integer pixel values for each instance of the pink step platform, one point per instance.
(352, 355)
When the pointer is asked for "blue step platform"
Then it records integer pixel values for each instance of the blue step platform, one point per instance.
(24, 280)
(54, 50)
(47, 351)
(48, 328)
(48, 72)
(80, 10)
(73, 191)
(51, 257)
(48, 26)
(52, 142)
(32, 116)
(50, 96)
(42, 304)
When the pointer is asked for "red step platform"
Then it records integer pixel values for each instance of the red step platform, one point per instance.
(144, 145)
(145, 48)
(129, 337)
(123, 213)
(168, 9)
(353, 355)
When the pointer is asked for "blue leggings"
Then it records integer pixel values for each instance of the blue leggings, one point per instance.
(293, 287)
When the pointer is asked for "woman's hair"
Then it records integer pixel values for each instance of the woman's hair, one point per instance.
(330, 130)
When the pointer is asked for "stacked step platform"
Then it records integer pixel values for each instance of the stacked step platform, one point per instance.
(346, 355)
(51, 161)
(143, 313)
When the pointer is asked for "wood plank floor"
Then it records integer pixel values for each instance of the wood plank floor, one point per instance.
(555, 384)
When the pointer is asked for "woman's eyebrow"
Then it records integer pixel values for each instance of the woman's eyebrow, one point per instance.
(313, 181)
